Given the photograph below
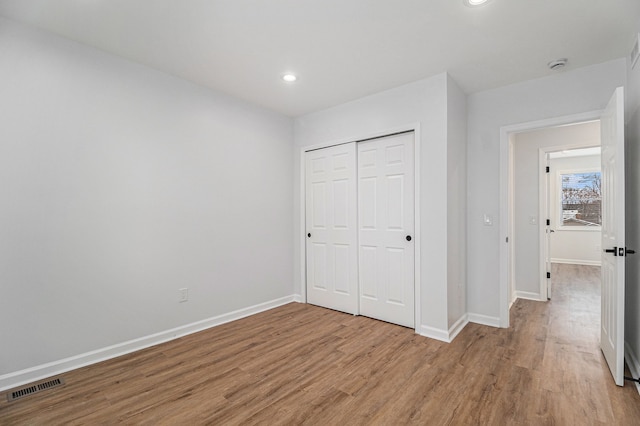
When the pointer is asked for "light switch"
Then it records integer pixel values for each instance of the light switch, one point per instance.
(533, 220)
(487, 220)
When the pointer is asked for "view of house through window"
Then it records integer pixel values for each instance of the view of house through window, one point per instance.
(581, 199)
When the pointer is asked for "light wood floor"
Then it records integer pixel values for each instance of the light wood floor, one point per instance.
(303, 364)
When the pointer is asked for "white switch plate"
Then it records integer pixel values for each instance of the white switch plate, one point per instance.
(184, 295)
(487, 220)
(533, 220)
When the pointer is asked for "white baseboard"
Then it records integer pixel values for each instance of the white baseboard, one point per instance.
(32, 374)
(457, 327)
(633, 363)
(484, 320)
(446, 336)
(529, 296)
(434, 333)
(576, 262)
(298, 298)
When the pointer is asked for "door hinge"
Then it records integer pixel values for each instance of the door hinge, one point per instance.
(547, 169)
(548, 222)
(548, 275)
(631, 379)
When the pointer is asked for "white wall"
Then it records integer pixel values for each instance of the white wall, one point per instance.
(566, 93)
(526, 236)
(120, 185)
(632, 160)
(456, 202)
(423, 102)
(578, 246)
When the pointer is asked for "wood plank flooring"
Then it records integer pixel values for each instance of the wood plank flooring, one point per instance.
(301, 364)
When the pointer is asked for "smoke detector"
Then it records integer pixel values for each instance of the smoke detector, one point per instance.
(558, 64)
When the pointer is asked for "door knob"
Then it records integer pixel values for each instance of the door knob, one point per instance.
(309, 235)
(408, 237)
(613, 250)
(629, 251)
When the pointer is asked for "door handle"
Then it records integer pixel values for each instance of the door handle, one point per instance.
(613, 250)
(408, 237)
(309, 235)
(629, 251)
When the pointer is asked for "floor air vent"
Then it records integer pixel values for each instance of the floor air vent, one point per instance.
(31, 389)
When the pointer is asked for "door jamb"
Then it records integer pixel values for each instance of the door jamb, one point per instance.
(413, 127)
(506, 184)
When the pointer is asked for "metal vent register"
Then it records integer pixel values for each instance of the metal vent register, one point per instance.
(31, 389)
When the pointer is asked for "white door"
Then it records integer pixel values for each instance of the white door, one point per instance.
(548, 230)
(613, 242)
(331, 215)
(386, 225)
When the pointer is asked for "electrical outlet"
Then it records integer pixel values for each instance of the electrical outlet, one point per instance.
(184, 294)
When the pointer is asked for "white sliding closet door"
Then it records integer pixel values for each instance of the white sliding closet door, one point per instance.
(386, 226)
(331, 215)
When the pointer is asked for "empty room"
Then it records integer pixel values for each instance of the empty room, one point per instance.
(319, 212)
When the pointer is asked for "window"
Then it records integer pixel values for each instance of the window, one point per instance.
(581, 199)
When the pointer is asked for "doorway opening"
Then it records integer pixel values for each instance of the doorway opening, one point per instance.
(612, 228)
(572, 205)
(531, 202)
(531, 215)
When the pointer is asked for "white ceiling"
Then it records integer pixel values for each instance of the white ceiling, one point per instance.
(341, 49)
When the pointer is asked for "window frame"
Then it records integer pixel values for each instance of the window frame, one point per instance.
(559, 210)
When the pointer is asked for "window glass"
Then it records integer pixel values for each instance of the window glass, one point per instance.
(581, 199)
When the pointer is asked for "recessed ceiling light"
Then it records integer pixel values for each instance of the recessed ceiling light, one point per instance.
(472, 3)
(289, 78)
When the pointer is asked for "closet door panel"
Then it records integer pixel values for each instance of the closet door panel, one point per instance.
(331, 228)
(386, 225)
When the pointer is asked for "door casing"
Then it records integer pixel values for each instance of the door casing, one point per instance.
(506, 198)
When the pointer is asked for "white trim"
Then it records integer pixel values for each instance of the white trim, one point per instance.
(506, 237)
(514, 297)
(505, 172)
(528, 295)
(446, 336)
(485, 320)
(434, 333)
(632, 363)
(544, 243)
(303, 226)
(576, 262)
(32, 374)
(416, 226)
(413, 127)
(457, 327)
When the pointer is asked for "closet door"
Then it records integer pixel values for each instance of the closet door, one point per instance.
(386, 225)
(331, 204)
